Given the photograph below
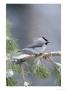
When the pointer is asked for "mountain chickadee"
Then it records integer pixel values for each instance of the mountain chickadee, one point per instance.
(38, 46)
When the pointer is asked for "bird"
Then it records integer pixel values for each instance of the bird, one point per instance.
(38, 46)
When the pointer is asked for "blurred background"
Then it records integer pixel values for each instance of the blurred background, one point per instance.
(30, 21)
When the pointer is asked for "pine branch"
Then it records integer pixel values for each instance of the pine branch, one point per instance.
(23, 57)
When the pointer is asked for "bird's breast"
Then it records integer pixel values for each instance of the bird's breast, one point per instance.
(40, 49)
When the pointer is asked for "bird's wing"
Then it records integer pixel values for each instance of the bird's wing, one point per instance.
(37, 43)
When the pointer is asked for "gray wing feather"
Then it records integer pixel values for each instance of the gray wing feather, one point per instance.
(36, 44)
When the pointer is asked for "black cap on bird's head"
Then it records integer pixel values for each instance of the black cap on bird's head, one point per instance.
(45, 40)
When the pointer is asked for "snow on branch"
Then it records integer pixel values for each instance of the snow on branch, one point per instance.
(19, 59)
(45, 55)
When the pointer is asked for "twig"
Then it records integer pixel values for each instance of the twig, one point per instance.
(57, 65)
(23, 72)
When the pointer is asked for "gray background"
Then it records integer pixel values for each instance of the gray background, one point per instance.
(30, 21)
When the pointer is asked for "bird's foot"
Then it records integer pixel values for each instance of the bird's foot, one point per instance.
(39, 54)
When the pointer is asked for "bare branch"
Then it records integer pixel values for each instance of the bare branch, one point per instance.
(55, 53)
